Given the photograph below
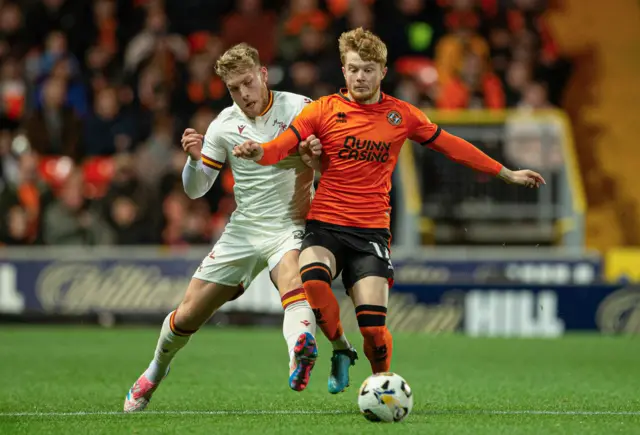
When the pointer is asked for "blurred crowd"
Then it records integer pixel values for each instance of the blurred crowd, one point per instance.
(94, 95)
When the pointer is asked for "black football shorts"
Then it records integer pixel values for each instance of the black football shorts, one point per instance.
(359, 252)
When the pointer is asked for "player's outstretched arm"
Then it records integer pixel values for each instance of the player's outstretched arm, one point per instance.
(199, 172)
(461, 151)
(268, 153)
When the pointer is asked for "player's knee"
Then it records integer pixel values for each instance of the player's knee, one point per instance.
(186, 320)
(316, 272)
(371, 318)
(316, 280)
(200, 302)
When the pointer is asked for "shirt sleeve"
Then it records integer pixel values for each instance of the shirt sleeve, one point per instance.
(461, 151)
(214, 154)
(304, 125)
(421, 129)
(454, 147)
(199, 175)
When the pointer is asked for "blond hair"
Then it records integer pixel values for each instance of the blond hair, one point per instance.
(237, 60)
(369, 46)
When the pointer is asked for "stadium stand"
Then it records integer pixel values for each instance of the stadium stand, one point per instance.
(95, 95)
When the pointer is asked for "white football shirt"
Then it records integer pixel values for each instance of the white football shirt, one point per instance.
(271, 197)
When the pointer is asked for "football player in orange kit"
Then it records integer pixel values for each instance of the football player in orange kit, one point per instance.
(362, 131)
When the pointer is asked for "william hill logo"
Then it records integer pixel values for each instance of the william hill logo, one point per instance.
(367, 150)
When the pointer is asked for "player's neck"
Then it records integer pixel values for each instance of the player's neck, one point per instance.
(374, 98)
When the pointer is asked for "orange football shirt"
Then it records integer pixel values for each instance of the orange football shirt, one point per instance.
(360, 148)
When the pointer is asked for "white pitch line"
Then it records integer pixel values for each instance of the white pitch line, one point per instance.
(301, 412)
(239, 412)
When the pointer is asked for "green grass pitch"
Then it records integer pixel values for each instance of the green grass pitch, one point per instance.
(73, 380)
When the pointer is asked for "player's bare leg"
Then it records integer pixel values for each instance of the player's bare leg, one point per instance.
(299, 324)
(202, 299)
(317, 268)
(370, 296)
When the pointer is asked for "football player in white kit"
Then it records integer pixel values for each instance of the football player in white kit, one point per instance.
(265, 230)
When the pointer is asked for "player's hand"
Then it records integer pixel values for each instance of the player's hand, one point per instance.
(249, 150)
(525, 177)
(310, 150)
(311, 146)
(192, 143)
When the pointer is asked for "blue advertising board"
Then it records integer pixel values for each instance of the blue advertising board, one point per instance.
(493, 297)
(432, 271)
(516, 310)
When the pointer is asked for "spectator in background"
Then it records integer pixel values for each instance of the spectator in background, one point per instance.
(203, 87)
(67, 16)
(105, 26)
(13, 36)
(517, 78)
(9, 164)
(13, 94)
(16, 227)
(357, 14)
(127, 223)
(535, 97)
(474, 88)
(174, 213)
(76, 93)
(29, 193)
(300, 14)
(500, 47)
(56, 50)
(462, 36)
(197, 225)
(314, 66)
(154, 36)
(250, 23)
(159, 147)
(107, 132)
(70, 220)
(55, 129)
(131, 205)
(102, 68)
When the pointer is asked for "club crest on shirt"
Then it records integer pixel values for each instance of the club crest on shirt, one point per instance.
(394, 118)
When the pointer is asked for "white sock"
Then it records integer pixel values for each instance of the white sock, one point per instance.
(298, 319)
(168, 345)
(341, 343)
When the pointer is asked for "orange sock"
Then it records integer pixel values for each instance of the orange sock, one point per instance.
(378, 342)
(316, 279)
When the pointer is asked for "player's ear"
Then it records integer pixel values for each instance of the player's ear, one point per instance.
(344, 73)
(384, 71)
(264, 74)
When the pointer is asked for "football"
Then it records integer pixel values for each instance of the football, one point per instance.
(385, 397)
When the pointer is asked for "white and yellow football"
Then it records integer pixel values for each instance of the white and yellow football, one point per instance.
(385, 397)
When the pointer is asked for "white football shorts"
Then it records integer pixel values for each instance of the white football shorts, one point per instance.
(242, 252)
